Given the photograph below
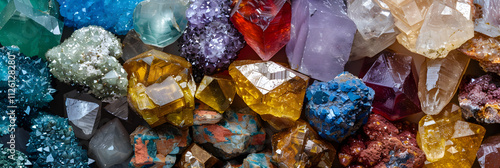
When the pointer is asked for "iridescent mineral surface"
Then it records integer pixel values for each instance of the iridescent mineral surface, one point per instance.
(197, 157)
(479, 98)
(310, 48)
(484, 49)
(216, 92)
(83, 112)
(111, 144)
(486, 18)
(489, 152)
(339, 107)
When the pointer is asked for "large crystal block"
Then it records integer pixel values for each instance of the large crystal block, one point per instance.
(160, 22)
(89, 57)
(486, 18)
(161, 88)
(439, 80)
(479, 98)
(197, 157)
(33, 25)
(83, 112)
(314, 49)
(118, 108)
(368, 48)
(488, 153)
(394, 78)
(275, 92)
(370, 17)
(216, 92)
(448, 140)
(133, 46)
(110, 144)
(484, 49)
(265, 24)
(339, 107)
(300, 146)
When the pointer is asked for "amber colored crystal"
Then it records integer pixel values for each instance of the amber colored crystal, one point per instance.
(161, 88)
(484, 49)
(216, 92)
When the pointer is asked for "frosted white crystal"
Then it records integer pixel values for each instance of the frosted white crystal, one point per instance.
(110, 144)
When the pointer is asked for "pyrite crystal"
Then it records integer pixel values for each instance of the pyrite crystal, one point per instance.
(216, 92)
(265, 24)
(484, 49)
(275, 92)
(197, 157)
(448, 140)
(486, 17)
(160, 23)
(300, 146)
(89, 57)
(439, 81)
(32, 25)
(479, 98)
(161, 88)
(310, 48)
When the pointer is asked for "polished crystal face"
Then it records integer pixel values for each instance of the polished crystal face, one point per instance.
(216, 92)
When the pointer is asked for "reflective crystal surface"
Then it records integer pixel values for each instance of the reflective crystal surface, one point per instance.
(486, 18)
(197, 157)
(110, 144)
(133, 46)
(371, 19)
(83, 112)
(216, 92)
(484, 49)
(118, 108)
(488, 153)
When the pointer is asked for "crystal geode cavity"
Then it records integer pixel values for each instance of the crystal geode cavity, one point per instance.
(89, 57)
(113, 15)
(479, 98)
(210, 42)
(313, 49)
(339, 107)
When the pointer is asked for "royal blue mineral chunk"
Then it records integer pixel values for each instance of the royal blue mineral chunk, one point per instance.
(52, 143)
(337, 108)
(210, 41)
(113, 15)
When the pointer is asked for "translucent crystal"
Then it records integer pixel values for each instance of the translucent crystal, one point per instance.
(110, 144)
(488, 154)
(487, 14)
(83, 112)
(133, 46)
(259, 12)
(370, 18)
(368, 48)
(216, 92)
(484, 49)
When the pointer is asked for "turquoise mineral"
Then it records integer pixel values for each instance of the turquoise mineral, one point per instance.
(13, 158)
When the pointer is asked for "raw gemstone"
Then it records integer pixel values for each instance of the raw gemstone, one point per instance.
(197, 157)
(372, 17)
(382, 144)
(300, 146)
(488, 154)
(13, 158)
(158, 147)
(258, 160)
(275, 92)
(265, 24)
(439, 80)
(394, 78)
(448, 140)
(161, 88)
(110, 144)
(310, 49)
(118, 108)
(32, 25)
(203, 114)
(89, 57)
(484, 49)
(133, 46)
(336, 109)
(210, 41)
(238, 133)
(22, 116)
(83, 112)
(216, 92)
(113, 15)
(486, 18)
(160, 22)
(479, 98)
(52, 143)
(368, 48)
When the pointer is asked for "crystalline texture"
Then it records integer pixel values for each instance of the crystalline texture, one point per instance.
(118, 108)
(83, 112)
(370, 18)
(216, 92)
(110, 144)
(486, 19)
(195, 156)
(479, 98)
(484, 49)
(488, 153)
(133, 46)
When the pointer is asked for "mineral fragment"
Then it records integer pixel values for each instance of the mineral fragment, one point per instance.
(89, 57)
(488, 153)
(486, 17)
(133, 46)
(484, 49)
(257, 160)
(372, 17)
(368, 48)
(203, 114)
(118, 108)
(110, 144)
(197, 157)
(216, 92)
(479, 98)
(83, 112)
(339, 107)
(13, 158)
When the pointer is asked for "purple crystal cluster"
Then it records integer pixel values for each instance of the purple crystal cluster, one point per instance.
(210, 42)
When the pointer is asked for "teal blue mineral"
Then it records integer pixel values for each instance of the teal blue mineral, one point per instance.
(13, 158)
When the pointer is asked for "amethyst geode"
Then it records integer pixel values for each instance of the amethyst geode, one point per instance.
(210, 42)
(479, 98)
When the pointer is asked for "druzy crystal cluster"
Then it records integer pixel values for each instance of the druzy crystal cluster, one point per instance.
(210, 41)
(480, 98)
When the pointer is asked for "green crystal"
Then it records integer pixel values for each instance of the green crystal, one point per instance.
(33, 25)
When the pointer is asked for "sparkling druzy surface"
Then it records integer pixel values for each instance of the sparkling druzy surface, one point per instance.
(275, 92)
(83, 112)
(89, 57)
(488, 153)
(158, 147)
(17, 160)
(210, 41)
(484, 49)
(486, 18)
(479, 98)
(113, 15)
(265, 24)
(216, 92)
(300, 146)
(160, 22)
(52, 143)
(32, 25)
(439, 81)
(110, 144)
(382, 144)
(448, 140)
(161, 88)
(394, 78)
(339, 107)
(310, 49)
(238, 133)
(197, 157)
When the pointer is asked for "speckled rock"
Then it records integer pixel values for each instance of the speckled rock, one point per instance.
(479, 98)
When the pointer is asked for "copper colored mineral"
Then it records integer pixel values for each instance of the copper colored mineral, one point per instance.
(489, 152)
(479, 98)
(484, 49)
(195, 157)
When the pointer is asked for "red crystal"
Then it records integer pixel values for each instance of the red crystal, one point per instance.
(394, 79)
(265, 36)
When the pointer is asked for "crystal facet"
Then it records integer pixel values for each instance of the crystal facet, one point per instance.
(479, 98)
(161, 88)
(484, 49)
(118, 108)
(371, 19)
(275, 92)
(488, 153)
(83, 112)
(110, 144)
(257, 160)
(197, 157)
(133, 46)
(216, 92)
(486, 19)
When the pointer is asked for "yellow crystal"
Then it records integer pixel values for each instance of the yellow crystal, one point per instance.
(439, 80)
(447, 140)
(216, 92)
(270, 89)
(161, 88)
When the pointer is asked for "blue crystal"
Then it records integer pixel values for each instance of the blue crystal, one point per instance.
(345, 110)
(257, 160)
